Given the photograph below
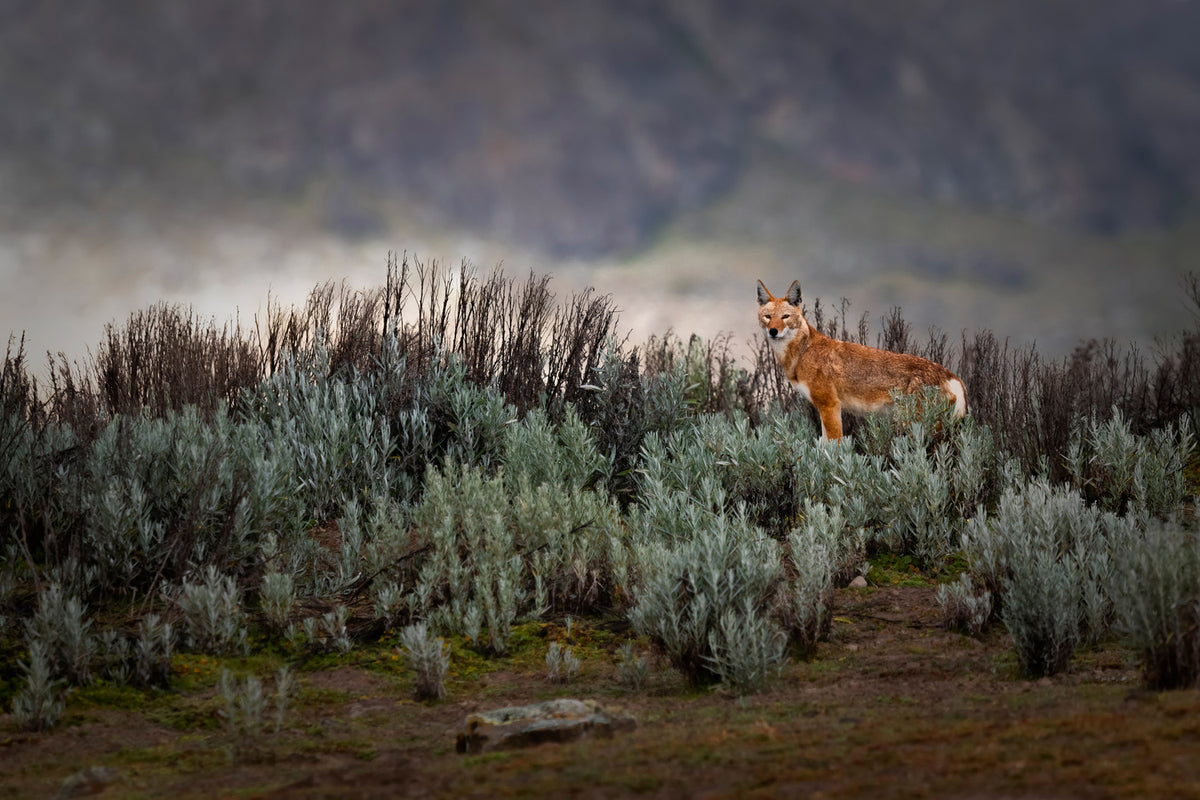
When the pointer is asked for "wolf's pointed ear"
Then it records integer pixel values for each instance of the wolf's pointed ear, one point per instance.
(793, 293)
(764, 296)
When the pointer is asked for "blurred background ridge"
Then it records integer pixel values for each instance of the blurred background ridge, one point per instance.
(1026, 166)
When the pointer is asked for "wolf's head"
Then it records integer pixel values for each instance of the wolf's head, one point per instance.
(780, 317)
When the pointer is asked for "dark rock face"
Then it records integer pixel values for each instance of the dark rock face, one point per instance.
(583, 128)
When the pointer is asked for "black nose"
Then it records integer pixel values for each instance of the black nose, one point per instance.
(774, 332)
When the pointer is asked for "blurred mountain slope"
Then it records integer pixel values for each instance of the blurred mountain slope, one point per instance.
(583, 129)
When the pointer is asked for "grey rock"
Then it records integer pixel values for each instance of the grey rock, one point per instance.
(560, 720)
(92, 780)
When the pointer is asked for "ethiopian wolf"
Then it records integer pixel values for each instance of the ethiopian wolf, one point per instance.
(838, 376)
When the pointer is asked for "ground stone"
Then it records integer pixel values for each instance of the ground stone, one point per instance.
(90, 781)
(560, 720)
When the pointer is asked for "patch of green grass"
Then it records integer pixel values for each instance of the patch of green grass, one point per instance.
(106, 694)
(193, 672)
(816, 670)
(197, 672)
(587, 635)
(360, 656)
(527, 636)
(952, 566)
(1191, 476)
(180, 711)
(1006, 667)
(393, 665)
(310, 696)
(890, 569)
(174, 758)
(466, 663)
(526, 650)
(185, 712)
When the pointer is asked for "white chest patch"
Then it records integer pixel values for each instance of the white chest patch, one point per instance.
(802, 388)
(779, 343)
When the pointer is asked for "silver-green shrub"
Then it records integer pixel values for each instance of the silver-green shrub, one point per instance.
(1095, 567)
(716, 466)
(285, 681)
(345, 566)
(923, 524)
(1110, 464)
(574, 538)
(244, 707)
(623, 406)
(561, 663)
(940, 470)
(152, 652)
(859, 485)
(470, 620)
(36, 492)
(1158, 604)
(385, 527)
(440, 417)
(144, 659)
(1039, 517)
(1047, 559)
(60, 624)
(696, 586)
(39, 704)
(922, 477)
(537, 452)
(429, 657)
(472, 566)
(149, 499)
(1041, 609)
(751, 466)
(746, 649)
(976, 476)
(213, 618)
(964, 607)
(806, 601)
(162, 495)
(244, 704)
(114, 654)
(328, 429)
(327, 633)
(338, 443)
(388, 602)
(926, 410)
(499, 585)
(277, 599)
(633, 669)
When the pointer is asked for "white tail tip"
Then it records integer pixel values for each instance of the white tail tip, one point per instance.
(959, 392)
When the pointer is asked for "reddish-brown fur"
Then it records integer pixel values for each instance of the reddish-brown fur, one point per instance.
(835, 375)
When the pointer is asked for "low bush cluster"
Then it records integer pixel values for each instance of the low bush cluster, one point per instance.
(451, 456)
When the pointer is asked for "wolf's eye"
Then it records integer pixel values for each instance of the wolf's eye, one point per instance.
(787, 316)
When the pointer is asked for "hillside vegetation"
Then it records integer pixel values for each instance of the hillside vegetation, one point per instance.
(440, 463)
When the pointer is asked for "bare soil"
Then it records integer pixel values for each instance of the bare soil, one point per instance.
(892, 706)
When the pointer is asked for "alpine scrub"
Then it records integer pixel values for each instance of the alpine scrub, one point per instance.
(451, 458)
